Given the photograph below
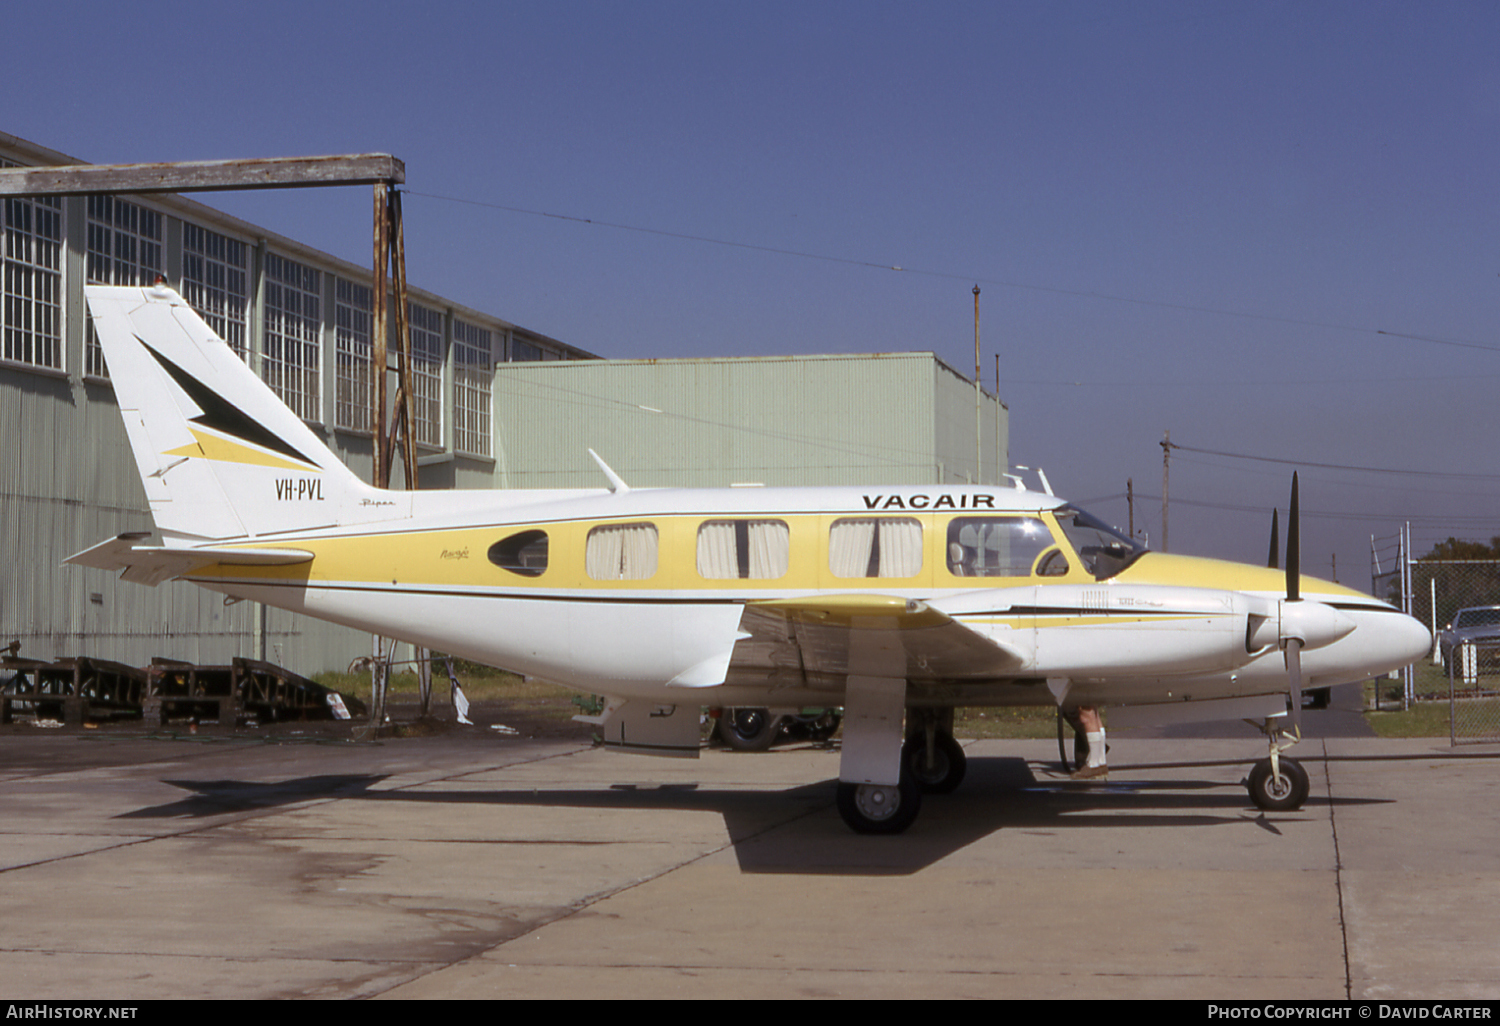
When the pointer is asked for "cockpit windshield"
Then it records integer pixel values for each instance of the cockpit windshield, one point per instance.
(1103, 550)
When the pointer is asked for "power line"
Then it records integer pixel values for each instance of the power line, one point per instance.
(954, 276)
(1336, 466)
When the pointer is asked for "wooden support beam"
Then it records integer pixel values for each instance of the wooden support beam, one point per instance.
(203, 175)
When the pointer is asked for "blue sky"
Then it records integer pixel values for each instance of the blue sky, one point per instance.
(1224, 219)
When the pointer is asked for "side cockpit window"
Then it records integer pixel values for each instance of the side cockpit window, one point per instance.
(1103, 550)
(996, 546)
(524, 553)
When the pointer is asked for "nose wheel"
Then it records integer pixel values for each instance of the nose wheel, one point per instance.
(1279, 788)
(1278, 783)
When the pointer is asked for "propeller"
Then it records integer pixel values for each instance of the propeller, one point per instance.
(1274, 559)
(1293, 646)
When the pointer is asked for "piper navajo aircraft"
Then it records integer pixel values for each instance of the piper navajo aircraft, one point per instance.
(899, 603)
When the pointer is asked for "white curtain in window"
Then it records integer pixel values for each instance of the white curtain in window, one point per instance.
(850, 543)
(621, 552)
(754, 549)
(900, 548)
(770, 549)
(717, 559)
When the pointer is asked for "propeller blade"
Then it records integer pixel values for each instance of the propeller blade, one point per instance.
(1274, 559)
(1294, 681)
(1293, 549)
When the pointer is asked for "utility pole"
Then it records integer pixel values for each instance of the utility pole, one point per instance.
(978, 422)
(1166, 459)
(999, 464)
(390, 256)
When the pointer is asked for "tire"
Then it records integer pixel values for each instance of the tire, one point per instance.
(748, 730)
(824, 727)
(949, 763)
(1283, 793)
(873, 809)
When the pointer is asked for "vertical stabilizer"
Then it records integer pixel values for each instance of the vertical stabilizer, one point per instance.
(219, 454)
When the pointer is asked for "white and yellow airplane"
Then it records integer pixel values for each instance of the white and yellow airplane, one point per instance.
(898, 603)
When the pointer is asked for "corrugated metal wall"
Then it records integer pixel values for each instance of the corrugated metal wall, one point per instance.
(902, 418)
(67, 481)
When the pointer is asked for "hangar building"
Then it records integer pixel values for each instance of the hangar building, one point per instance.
(498, 406)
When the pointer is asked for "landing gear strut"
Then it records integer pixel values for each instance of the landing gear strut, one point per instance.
(932, 755)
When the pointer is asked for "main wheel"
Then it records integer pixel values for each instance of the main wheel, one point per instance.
(880, 809)
(748, 730)
(948, 762)
(1283, 792)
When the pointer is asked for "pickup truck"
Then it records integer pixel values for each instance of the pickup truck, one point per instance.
(1472, 623)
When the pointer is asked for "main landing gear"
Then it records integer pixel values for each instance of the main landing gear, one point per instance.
(932, 762)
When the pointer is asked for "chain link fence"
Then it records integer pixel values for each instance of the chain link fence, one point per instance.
(1452, 597)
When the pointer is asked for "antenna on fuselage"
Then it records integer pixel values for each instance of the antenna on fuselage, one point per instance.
(616, 482)
(1046, 485)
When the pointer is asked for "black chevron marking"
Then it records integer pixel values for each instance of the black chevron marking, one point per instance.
(222, 415)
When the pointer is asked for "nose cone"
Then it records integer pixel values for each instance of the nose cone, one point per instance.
(1413, 638)
(1389, 639)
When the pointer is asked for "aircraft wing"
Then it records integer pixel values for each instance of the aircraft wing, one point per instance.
(153, 564)
(831, 636)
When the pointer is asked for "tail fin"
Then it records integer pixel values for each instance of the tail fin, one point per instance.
(221, 457)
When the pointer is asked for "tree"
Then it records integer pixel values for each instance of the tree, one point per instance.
(1457, 573)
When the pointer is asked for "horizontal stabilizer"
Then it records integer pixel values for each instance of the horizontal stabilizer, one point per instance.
(153, 564)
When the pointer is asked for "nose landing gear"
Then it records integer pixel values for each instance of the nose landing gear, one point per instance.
(1278, 783)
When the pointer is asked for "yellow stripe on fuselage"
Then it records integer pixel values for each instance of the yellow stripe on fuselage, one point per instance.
(459, 559)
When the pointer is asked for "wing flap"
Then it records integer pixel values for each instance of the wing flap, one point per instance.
(884, 635)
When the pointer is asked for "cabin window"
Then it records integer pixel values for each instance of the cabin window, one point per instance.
(756, 550)
(875, 547)
(621, 552)
(524, 553)
(996, 546)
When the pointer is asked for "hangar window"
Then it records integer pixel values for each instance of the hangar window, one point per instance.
(215, 282)
(621, 552)
(124, 248)
(875, 547)
(757, 550)
(293, 334)
(352, 318)
(31, 315)
(995, 546)
(472, 378)
(427, 373)
(524, 553)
